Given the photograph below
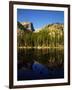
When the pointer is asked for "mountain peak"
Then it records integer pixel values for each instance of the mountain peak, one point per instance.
(26, 26)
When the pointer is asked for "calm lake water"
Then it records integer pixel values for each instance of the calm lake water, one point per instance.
(40, 64)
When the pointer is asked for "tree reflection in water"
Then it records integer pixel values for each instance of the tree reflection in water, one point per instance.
(40, 63)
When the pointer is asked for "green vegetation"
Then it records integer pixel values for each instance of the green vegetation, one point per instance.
(51, 35)
(44, 46)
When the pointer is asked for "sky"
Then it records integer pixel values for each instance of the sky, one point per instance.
(39, 18)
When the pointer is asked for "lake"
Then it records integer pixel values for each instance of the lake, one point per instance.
(36, 64)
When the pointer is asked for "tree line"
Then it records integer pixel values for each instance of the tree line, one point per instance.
(44, 38)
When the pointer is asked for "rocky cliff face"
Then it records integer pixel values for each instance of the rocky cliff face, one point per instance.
(26, 26)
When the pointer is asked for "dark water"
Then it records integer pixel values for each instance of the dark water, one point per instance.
(40, 64)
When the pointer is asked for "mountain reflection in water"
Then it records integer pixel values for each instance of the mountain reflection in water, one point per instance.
(40, 64)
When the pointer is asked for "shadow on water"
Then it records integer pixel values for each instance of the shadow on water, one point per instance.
(40, 64)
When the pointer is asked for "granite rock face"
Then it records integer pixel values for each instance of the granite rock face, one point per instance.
(26, 26)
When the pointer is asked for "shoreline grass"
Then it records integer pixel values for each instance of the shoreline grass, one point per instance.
(39, 47)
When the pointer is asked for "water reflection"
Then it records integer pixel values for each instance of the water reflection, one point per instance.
(40, 63)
